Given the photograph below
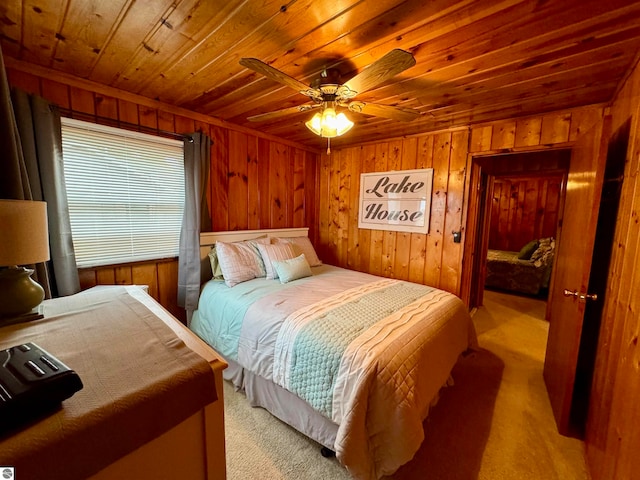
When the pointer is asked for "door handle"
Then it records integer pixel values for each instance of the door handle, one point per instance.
(583, 297)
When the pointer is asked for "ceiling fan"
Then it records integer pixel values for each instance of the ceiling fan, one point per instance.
(328, 93)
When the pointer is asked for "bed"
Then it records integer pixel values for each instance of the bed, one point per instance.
(351, 360)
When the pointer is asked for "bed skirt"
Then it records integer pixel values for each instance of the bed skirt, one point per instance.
(282, 404)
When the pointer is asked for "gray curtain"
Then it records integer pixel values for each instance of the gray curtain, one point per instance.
(196, 218)
(33, 170)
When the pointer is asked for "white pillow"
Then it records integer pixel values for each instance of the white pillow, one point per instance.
(240, 261)
(302, 245)
(271, 253)
(292, 269)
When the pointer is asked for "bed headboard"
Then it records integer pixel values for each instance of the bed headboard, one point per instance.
(208, 240)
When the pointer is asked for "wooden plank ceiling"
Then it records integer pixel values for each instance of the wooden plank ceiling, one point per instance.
(477, 60)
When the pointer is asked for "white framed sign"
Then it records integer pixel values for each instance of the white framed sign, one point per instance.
(398, 200)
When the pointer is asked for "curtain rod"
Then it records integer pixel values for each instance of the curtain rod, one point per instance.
(119, 123)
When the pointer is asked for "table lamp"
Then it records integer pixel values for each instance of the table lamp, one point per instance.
(24, 240)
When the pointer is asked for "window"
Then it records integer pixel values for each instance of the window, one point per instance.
(125, 192)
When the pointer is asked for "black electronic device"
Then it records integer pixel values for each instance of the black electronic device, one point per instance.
(33, 382)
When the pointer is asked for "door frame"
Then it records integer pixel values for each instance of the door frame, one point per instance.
(477, 222)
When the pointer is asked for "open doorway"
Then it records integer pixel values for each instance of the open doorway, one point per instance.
(520, 204)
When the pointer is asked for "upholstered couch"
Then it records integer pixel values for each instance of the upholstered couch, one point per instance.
(526, 271)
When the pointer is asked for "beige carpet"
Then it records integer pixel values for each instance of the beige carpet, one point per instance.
(495, 423)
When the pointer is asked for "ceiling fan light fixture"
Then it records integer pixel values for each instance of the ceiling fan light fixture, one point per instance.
(328, 93)
(328, 124)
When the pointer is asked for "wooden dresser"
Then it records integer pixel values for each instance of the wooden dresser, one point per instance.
(184, 419)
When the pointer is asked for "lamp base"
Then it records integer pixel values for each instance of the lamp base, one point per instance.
(25, 317)
(19, 294)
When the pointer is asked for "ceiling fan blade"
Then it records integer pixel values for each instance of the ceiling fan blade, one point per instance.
(386, 67)
(280, 77)
(385, 111)
(262, 117)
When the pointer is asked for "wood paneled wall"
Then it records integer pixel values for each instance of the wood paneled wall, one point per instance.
(256, 181)
(160, 276)
(613, 436)
(526, 197)
(433, 258)
(555, 130)
(523, 209)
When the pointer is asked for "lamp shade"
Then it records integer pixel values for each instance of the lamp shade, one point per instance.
(343, 124)
(315, 124)
(24, 232)
(328, 124)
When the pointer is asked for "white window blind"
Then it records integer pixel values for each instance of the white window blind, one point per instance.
(125, 192)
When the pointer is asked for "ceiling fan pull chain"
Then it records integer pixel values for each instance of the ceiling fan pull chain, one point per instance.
(329, 146)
